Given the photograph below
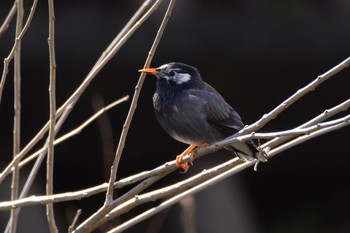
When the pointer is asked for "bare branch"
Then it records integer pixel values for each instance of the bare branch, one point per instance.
(304, 138)
(17, 114)
(85, 193)
(52, 99)
(323, 116)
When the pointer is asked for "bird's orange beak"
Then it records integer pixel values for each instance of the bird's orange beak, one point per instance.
(152, 71)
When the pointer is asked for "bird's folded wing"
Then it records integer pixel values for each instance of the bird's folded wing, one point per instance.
(219, 114)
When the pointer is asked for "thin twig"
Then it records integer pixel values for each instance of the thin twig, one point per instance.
(75, 220)
(296, 131)
(300, 93)
(8, 19)
(123, 32)
(84, 193)
(17, 115)
(52, 100)
(126, 126)
(304, 138)
(323, 116)
(55, 198)
(8, 59)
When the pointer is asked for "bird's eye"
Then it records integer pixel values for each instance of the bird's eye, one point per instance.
(172, 73)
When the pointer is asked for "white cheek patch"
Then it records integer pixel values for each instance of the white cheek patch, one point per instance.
(162, 67)
(182, 78)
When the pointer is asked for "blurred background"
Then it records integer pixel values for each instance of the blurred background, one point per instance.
(255, 53)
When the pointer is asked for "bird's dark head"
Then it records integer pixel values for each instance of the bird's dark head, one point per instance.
(176, 74)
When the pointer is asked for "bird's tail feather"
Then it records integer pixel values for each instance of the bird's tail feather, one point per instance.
(247, 151)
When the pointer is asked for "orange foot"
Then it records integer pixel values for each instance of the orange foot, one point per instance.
(179, 158)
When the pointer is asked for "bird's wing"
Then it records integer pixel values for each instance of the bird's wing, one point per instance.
(219, 114)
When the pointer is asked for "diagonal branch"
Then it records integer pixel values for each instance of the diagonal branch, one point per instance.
(323, 116)
(8, 19)
(126, 126)
(296, 96)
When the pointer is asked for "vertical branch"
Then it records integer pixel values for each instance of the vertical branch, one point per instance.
(51, 137)
(17, 114)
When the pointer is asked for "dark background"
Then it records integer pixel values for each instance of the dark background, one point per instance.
(255, 53)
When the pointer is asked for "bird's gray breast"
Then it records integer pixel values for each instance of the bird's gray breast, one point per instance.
(184, 119)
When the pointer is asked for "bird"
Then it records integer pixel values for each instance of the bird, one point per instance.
(192, 112)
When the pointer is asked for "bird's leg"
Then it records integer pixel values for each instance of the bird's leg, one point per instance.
(179, 158)
(191, 149)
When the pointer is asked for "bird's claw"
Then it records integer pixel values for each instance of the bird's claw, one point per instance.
(179, 163)
(179, 159)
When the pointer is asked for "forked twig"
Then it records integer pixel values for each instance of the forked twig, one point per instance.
(18, 39)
